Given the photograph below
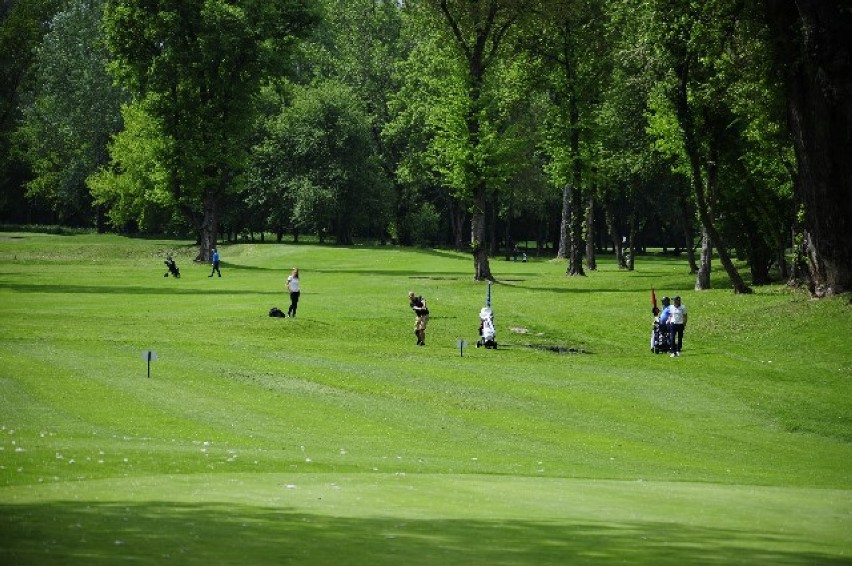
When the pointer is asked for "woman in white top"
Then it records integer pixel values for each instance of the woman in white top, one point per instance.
(295, 290)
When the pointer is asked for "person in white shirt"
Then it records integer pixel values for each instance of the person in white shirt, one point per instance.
(293, 286)
(677, 324)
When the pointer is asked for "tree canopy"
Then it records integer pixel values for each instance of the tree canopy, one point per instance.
(570, 128)
(194, 68)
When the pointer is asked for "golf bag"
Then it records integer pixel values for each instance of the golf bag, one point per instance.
(173, 268)
(660, 338)
(487, 334)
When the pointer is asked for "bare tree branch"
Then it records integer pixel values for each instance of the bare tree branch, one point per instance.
(454, 26)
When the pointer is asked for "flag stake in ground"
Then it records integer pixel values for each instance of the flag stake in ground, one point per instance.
(149, 356)
(461, 344)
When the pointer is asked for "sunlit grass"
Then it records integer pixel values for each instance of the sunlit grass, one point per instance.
(333, 428)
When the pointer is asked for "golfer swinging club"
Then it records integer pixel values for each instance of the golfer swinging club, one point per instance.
(421, 312)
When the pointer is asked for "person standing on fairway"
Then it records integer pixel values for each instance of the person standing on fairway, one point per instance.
(295, 291)
(664, 325)
(677, 320)
(421, 313)
(215, 263)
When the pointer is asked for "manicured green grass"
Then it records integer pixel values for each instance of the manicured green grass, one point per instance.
(331, 438)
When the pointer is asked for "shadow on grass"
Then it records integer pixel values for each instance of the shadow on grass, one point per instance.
(403, 273)
(367, 272)
(445, 253)
(111, 289)
(211, 533)
(243, 267)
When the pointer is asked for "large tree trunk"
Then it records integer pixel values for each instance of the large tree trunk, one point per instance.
(814, 55)
(702, 279)
(575, 259)
(481, 267)
(564, 225)
(591, 261)
(209, 228)
(575, 253)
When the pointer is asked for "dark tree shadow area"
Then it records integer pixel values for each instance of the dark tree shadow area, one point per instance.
(159, 533)
(128, 290)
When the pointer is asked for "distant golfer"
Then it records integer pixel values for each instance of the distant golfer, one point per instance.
(215, 263)
(173, 268)
(294, 286)
(421, 313)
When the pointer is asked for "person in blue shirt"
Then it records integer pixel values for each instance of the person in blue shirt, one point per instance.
(664, 315)
(215, 263)
(664, 326)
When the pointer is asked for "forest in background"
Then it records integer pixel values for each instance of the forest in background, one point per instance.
(716, 128)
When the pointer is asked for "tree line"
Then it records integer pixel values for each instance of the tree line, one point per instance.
(712, 128)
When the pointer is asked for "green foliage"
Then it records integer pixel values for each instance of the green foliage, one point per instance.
(195, 70)
(22, 25)
(318, 166)
(424, 121)
(716, 94)
(665, 130)
(429, 111)
(432, 108)
(470, 107)
(134, 188)
(73, 111)
(563, 40)
(423, 224)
